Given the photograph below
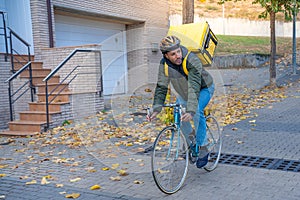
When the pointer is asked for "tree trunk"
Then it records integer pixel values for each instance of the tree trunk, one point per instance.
(273, 51)
(187, 11)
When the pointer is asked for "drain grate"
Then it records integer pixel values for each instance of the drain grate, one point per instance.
(252, 161)
(260, 162)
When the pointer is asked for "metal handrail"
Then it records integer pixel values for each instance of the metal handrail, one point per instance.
(5, 34)
(53, 72)
(12, 50)
(56, 69)
(10, 79)
(18, 72)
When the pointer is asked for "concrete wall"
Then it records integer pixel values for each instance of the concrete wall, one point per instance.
(243, 27)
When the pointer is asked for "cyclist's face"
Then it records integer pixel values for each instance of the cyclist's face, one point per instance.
(175, 56)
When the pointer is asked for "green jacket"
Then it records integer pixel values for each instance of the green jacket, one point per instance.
(187, 86)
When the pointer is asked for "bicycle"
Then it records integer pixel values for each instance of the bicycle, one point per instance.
(171, 154)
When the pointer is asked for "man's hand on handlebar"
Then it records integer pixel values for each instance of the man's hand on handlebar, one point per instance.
(151, 115)
(186, 117)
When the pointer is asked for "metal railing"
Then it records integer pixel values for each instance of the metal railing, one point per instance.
(14, 52)
(12, 94)
(53, 72)
(4, 33)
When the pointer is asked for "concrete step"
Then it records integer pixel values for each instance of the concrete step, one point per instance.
(39, 80)
(36, 115)
(22, 58)
(52, 86)
(18, 133)
(62, 97)
(34, 65)
(27, 126)
(35, 73)
(41, 106)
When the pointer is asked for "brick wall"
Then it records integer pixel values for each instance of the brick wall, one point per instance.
(4, 103)
(80, 107)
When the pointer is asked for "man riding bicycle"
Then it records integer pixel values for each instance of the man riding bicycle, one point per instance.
(194, 90)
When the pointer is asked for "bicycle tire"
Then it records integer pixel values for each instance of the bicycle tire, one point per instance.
(214, 138)
(169, 160)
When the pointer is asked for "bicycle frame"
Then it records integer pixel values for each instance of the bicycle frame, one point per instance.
(177, 120)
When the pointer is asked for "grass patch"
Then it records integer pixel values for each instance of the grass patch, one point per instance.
(253, 45)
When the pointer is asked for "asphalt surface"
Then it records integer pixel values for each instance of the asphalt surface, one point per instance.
(264, 160)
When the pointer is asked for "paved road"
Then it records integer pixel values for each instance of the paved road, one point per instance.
(276, 136)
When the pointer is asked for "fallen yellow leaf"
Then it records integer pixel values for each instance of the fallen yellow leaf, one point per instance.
(163, 171)
(95, 187)
(138, 182)
(115, 166)
(122, 172)
(105, 168)
(129, 144)
(64, 192)
(73, 195)
(115, 178)
(31, 182)
(44, 181)
(48, 177)
(75, 180)
(2, 175)
(59, 185)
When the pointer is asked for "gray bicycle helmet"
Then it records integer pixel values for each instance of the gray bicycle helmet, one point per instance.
(169, 43)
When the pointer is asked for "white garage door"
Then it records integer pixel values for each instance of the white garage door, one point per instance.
(73, 31)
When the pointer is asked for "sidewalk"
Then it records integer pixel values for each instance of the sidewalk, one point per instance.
(275, 135)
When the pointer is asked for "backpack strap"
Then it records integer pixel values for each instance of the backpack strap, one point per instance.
(184, 64)
(185, 70)
(166, 69)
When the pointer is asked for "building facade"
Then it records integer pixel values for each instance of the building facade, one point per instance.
(126, 32)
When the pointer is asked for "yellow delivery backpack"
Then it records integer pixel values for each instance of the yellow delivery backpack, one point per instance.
(197, 38)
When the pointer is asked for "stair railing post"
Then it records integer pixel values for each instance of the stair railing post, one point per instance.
(11, 52)
(10, 102)
(5, 36)
(47, 104)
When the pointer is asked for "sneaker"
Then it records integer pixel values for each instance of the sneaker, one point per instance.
(201, 162)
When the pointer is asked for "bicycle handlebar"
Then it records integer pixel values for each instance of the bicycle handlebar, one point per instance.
(171, 105)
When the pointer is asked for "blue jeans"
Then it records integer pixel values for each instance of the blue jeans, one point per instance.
(199, 118)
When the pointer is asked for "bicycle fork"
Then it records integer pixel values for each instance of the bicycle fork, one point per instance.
(176, 131)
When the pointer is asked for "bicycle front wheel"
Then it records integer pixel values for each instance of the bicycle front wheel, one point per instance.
(169, 160)
(214, 138)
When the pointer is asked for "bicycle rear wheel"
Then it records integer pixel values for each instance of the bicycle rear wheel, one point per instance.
(214, 138)
(169, 160)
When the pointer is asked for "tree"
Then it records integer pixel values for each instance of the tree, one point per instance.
(187, 11)
(271, 8)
